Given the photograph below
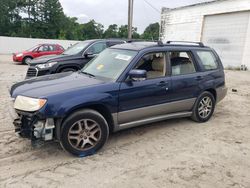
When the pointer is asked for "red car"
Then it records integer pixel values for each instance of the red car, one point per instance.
(39, 50)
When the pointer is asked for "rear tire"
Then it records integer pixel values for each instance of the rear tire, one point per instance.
(204, 107)
(84, 132)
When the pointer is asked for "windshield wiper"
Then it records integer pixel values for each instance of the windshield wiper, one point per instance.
(88, 74)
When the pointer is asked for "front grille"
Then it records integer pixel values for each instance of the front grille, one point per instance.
(32, 72)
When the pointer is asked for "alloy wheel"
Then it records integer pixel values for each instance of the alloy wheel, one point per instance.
(84, 134)
(205, 107)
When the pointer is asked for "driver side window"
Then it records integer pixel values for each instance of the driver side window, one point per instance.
(97, 48)
(43, 48)
(154, 64)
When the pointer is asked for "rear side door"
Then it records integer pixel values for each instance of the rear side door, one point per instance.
(145, 98)
(51, 50)
(186, 79)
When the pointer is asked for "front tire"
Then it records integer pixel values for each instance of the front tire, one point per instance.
(26, 60)
(204, 107)
(68, 70)
(84, 132)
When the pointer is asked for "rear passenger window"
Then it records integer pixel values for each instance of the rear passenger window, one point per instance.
(208, 60)
(181, 63)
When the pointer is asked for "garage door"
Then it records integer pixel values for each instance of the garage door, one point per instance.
(226, 33)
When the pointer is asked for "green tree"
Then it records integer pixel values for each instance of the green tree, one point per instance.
(111, 31)
(70, 29)
(123, 32)
(151, 32)
(10, 19)
(52, 17)
(91, 30)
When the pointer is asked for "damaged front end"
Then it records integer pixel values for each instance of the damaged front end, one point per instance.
(33, 126)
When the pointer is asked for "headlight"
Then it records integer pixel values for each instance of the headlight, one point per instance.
(46, 65)
(19, 55)
(29, 104)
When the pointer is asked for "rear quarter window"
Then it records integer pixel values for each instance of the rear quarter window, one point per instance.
(208, 60)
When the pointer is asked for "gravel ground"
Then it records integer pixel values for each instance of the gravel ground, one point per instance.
(173, 153)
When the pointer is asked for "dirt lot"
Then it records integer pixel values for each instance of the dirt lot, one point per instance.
(174, 153)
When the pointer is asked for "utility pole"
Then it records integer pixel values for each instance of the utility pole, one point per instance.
(130, 18)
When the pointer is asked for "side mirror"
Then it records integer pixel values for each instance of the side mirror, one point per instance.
(137, 74)
(89, 54)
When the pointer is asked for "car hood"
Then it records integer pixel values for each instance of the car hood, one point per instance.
(23, 52)
(50, 58)
(44, 86)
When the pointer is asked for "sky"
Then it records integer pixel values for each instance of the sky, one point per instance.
(109, 12)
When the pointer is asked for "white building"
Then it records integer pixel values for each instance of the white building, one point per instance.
(221, 24)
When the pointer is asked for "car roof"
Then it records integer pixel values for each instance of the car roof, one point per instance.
(49, 44)
(137, 46)
(96, 40)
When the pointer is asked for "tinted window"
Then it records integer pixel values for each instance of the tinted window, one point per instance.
(181, 63)
(208, 60)
(154, 64)
(97, 48)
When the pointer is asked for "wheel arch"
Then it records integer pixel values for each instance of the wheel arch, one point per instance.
(213, 92)
(73, 66)
(30, 56)
(100, 108)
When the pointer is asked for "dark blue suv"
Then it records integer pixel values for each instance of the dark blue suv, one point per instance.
(124, 86)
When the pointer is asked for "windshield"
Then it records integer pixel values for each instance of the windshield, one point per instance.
(76, 48)
(110, 63)
(33, 48)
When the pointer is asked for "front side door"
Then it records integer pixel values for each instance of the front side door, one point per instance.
(146, 98)
(42, 50)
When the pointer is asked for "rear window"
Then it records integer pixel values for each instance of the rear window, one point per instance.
(208, 60)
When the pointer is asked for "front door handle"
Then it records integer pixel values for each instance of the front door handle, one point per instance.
(162, 84)
(199, 78)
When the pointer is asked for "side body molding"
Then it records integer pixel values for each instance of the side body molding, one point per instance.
(150, 114)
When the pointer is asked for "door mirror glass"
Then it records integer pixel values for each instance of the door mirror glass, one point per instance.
(138, 75)
(89, 54)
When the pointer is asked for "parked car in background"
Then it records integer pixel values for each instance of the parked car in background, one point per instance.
(37, 51)
(72, 59)
(125, 86)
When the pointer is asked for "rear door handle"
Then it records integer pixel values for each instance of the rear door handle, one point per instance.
(199, 78)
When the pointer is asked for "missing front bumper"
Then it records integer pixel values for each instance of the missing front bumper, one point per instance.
(34, 129)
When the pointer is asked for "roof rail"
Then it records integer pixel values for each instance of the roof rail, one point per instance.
(160, 43)
(139, 40)
(187, 42)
